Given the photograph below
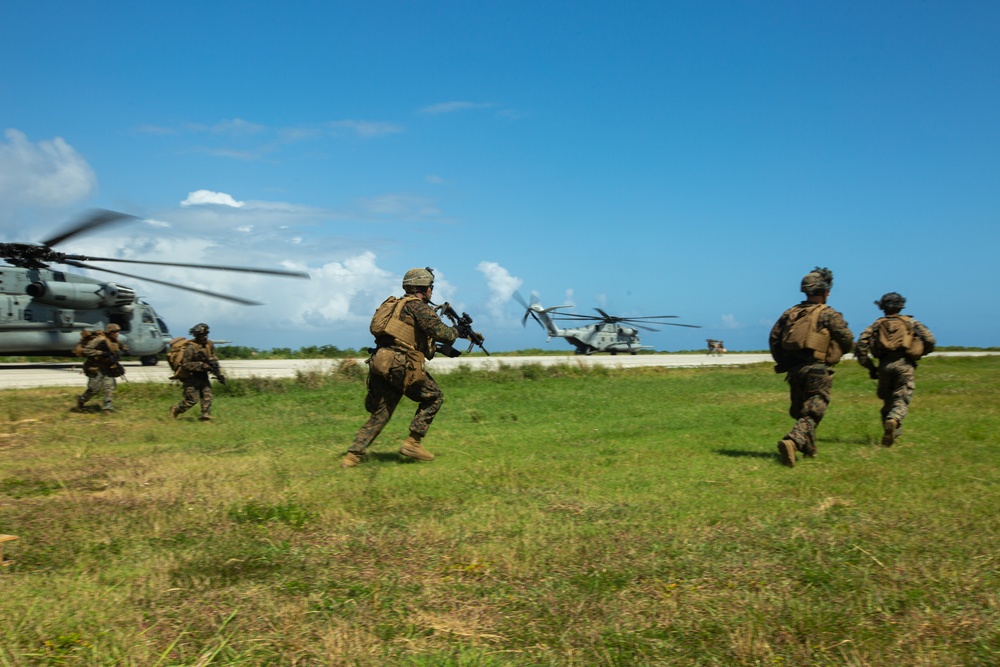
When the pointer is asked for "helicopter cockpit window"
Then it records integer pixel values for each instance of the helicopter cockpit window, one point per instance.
(147, 318)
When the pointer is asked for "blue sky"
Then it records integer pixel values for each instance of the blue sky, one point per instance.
(684, 158)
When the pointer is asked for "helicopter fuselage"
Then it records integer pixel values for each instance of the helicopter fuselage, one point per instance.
(606, 337)
(43, 311)
(599, 337)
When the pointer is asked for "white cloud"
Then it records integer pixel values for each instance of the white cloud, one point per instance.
(729, 321)
(451, 107)
(501, 284)
(48, 174)
(237, 126)
(399, 206)
(365, 128)
(199, 197)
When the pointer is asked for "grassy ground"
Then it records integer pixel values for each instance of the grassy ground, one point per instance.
(571, 518)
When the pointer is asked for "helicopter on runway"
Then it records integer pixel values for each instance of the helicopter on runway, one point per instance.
(596, 333)
(43, 310)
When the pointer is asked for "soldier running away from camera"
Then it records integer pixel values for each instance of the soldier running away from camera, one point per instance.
(806, 342)
(102, 366)
(197, 362)
(405, 331)
(898, 342)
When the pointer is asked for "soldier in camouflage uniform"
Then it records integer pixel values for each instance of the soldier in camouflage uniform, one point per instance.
(809, 372)
(102, 366)
(396, 369)
(197, 362)
(896, 370)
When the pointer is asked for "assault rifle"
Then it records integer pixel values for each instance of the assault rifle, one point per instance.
(213, 366)
(114, 361)
(463, 324)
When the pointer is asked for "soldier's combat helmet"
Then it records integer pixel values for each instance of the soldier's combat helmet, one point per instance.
(817, 281)
(199, 329)
(891, 301)
(418, 278)
(111, 328)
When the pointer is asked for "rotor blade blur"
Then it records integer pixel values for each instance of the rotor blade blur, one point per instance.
(97, 218)
(216, 295)
(644, 327)
(214, 267)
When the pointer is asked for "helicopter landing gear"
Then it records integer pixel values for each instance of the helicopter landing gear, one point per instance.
(149, 360)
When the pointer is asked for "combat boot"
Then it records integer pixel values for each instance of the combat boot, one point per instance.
(786, 448)
(205, 418)
(351, 460)
(411, 447)
(173, 412)
(889, 432)
(81, 404)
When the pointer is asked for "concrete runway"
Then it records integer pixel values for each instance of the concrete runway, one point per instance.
(20, 376)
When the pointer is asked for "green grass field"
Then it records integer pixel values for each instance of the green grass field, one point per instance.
(571, 518)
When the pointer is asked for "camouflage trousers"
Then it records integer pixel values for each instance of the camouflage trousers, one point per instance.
(99, 383)
(384, 394)
(197, 388)
(896, 381)
(811, 386)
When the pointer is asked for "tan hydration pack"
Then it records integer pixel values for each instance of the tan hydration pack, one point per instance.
(802, 332)
(895, 333)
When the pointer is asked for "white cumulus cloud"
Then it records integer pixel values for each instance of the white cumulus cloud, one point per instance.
(199, 197)
(501, 284)
(46, 174)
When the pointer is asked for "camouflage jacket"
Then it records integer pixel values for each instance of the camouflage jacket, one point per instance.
(199, 358)
(104, 355)
(829, 319)
(863, 350)
(427, 326)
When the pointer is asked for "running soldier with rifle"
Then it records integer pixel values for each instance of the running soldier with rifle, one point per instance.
(197, 362)
(407, 332)
(898, 342)
(102, 366)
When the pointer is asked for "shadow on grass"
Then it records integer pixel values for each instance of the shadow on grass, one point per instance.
(744, 454)
(390, 457)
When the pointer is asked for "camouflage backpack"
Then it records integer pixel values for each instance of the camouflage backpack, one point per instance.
(386, 322)
(802, 330)
(85, 337)
(175, 355)
(895, 334)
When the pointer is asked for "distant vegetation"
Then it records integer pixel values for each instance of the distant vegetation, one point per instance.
(334, 352)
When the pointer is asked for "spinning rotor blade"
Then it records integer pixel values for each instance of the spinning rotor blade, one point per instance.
(217, 295)
(97, 218)
(673, 324)
(215, 267)
(527, 309)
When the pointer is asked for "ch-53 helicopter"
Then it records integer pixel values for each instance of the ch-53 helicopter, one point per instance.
(604, 333)
(43, 310)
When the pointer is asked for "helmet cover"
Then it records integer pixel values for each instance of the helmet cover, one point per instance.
(891, 301)
(817, 281)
